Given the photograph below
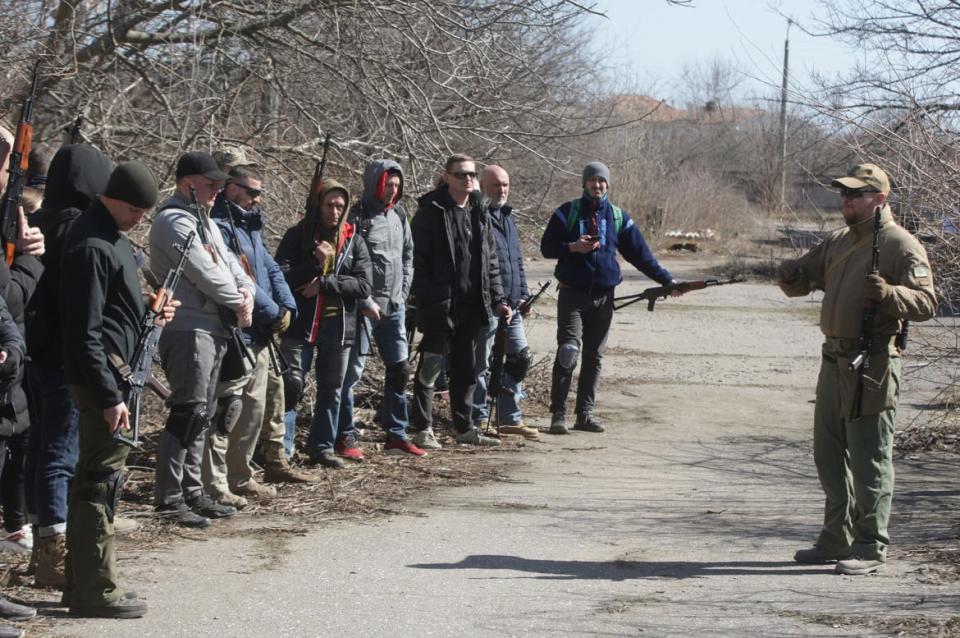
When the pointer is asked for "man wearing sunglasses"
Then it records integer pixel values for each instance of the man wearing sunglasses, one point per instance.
(456, 284)
(242, 403)
(853, 448)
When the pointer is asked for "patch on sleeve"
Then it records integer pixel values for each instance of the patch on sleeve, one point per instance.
(920, 271)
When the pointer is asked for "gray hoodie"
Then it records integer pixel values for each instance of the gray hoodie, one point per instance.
(388, 238)
(205, 285)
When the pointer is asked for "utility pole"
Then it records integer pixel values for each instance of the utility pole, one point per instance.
(783, 120)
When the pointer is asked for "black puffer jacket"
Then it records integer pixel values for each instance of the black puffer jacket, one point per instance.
(434, 267)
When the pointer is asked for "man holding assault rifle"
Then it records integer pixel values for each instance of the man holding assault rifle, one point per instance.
(102, 307)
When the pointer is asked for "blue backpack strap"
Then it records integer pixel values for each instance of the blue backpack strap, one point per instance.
(574, 215)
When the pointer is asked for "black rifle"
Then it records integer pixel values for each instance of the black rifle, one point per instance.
(652, 295)
(76, 135)
(19, 161)
(497, 356)
(277, 361)
(861, 363)
(227, 316)
(138, 374)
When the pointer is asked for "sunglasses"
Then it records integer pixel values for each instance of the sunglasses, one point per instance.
(464, 175)
(854, 193)
(251, 192)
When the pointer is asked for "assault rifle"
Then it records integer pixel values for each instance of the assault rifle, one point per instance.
(76, 135)
(498, 363)
(247, 359)
(137, 374)
(18, 163)
(861, 363)
(277, 361)
(316, 184)
(652, 295)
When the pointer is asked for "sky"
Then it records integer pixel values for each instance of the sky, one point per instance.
(651, 42)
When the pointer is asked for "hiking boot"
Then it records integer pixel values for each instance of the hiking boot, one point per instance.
(10, 610)
(124, 525)
(208, 508)
(473, 437)
(402, 447)
(9, 631)
(18, 542)
(526, 431)
(51, 553)
(328, 459)
(279, 471)
(254, 489)
(349, 449)
(229, 498)
(124, 607)
(558, 425)
(180, 514)
(816, 556)
(586, 423)
(858, 566)
(426, 440)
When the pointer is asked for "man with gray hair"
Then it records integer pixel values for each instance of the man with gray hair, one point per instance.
(584, 236)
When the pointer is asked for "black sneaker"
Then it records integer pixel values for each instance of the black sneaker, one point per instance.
(10, 610)
(9, 631)
(586, 423)
(126, 606)
(180, 514)
(327, 458)
(205, 506)
(557, 424)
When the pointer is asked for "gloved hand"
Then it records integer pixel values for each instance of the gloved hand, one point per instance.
(876, 288)
(789, 271)
(283, 323)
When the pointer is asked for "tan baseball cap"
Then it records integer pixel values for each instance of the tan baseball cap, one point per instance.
(864, 176)
(231, 156)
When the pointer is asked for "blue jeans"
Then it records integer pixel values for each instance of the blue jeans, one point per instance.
(54, 449)
(390, 336)
(508, 404)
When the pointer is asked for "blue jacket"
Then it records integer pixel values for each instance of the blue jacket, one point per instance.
(272, 294)
(597, 271)
(512, 276)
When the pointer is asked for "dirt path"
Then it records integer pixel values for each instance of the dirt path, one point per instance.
(681, 520)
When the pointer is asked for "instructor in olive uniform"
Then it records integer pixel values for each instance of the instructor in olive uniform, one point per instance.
(854, 455)
(101, 307)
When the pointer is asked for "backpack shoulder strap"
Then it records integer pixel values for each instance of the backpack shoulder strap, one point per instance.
(617, 218)
(574, 215)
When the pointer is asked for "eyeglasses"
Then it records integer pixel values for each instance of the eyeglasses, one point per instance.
(251, 192)
(465, 175)
(854, 193)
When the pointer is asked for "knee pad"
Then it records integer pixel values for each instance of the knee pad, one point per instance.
(397, 375)
(187, 422)
(517, 364)
(567, 355)
(105, 490)
(292, 388)
(228, 413)
(429, 368)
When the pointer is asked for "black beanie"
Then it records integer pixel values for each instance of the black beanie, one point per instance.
(133, 183)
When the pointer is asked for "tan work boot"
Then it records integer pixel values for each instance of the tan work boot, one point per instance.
(279, 471)
(228, 498)
(124, 525)
(51, 552)
(252, 488)
(526, 431)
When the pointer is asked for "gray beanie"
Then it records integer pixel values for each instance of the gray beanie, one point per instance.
(133, 183)
(596, 169)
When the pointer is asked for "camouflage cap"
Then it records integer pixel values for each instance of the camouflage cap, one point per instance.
(864, 176)
(231, 156)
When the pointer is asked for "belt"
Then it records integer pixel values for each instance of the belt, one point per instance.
(852, 344)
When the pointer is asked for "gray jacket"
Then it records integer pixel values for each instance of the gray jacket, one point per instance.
(388, 238)
(205, 284)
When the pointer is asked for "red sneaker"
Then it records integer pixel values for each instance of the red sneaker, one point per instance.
(348, 449)
(402, 447)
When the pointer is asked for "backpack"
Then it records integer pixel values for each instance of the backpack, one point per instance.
(574, 216)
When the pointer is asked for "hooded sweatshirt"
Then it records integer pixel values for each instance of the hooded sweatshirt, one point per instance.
(77, 174)
(386, 232)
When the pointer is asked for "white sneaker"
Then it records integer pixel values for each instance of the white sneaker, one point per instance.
(18, 542)
(425, 440)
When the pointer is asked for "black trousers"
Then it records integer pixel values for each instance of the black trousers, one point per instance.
(460, 346)
(583, 322)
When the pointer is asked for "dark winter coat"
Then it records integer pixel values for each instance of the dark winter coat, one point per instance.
(512, 275)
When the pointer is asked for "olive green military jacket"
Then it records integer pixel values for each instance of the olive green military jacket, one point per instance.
(838, 265)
